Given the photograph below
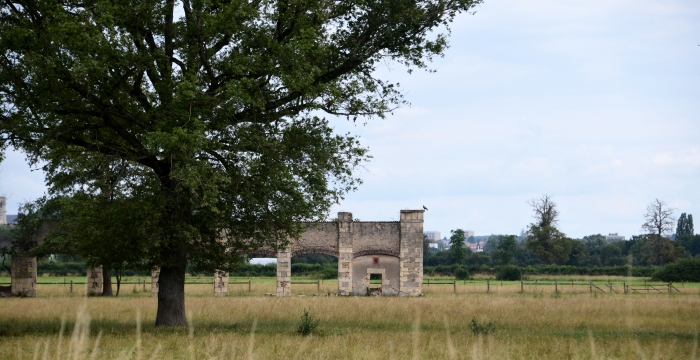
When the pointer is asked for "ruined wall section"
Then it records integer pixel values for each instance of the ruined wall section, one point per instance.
(386, 266)
(376, 238)
(411, 261)
(318, 238)
(23, 275)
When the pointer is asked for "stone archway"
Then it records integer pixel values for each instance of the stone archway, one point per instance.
(398, 245)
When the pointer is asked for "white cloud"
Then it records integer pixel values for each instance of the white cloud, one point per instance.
(690, 157)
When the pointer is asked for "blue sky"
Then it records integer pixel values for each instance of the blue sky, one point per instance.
(596, 103)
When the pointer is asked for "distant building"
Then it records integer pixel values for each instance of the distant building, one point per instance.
(612, 237)
(432, 235)
(477, 247)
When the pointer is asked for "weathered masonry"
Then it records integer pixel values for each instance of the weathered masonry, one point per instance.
(390, 251)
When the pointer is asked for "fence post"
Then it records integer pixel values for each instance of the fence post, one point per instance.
(71, 286)
(249, 284)
(318, 287)
(521, 285)
(624, 286)
(428, 281)
(454, 284)
(669, 286)
(488, 286)
(572, 283)
(556, 286)
(591, 286)
(144, 284)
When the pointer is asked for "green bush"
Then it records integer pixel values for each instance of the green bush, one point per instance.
(509, 272)
(484, 328)
(682, 270)
(462, 273)
(330, 272)
(308, 325)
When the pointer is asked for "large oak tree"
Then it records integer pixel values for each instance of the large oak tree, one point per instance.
(214, 103)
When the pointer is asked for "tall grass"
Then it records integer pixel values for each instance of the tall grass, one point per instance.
(573, 325)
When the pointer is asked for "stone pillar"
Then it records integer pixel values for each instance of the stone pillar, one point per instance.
(220, 283)
(155, 274)
(23, 275)
(284, 273)
(345, 234)
(94, 281)
(411, 253)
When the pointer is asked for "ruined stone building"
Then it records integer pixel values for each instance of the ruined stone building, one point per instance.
(388, 250)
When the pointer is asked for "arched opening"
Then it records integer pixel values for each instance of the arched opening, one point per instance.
(314, 272)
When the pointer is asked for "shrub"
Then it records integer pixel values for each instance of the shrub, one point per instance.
(308, 324)
(330, 272)
(682, 270)
(509, 272)
(483, 328)
(462, 273)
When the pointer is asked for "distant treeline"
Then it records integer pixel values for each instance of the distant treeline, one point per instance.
(625, 270)
(325, 271)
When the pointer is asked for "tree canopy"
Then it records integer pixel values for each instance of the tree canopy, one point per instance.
(543, 238)
(213, 106)
(685, 226)
(458, 247)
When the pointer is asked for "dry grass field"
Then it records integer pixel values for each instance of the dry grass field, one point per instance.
(535, 324)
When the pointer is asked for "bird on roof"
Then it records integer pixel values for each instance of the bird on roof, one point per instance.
(425, 208)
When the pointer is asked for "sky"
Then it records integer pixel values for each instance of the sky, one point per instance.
(595, 103)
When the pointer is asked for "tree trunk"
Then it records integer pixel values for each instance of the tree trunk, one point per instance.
(171, 280)
(118, 274)
(171, 292)
(106, 281)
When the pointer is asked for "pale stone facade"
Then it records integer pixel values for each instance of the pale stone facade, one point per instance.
(23, 275)
(390, 250)
(94, 281)
(411, 259)
(220, 283)
(155, 274)
(284, 273)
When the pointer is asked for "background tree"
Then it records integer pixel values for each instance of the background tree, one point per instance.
(218, 106)
(458, 248)
(685, 226)
(658, 223)
(611, 255)
(579, 255)
(426, 245)
(658, 219)
(543, 238)
(507, 247)
(103, 198)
